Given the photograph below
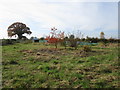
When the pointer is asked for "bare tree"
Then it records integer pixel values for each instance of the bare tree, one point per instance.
(74, 38)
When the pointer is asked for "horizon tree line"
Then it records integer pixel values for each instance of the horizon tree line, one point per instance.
(18, 29)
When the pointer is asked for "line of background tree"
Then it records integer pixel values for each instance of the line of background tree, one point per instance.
(55, 37)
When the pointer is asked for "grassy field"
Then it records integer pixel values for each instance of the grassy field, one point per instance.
(34, 65)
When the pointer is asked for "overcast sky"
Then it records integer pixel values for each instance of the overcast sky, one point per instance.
(66, 15)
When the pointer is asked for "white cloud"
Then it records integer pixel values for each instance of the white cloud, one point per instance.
(67, 14)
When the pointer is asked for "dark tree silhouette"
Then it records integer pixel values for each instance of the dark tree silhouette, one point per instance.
(18, 29)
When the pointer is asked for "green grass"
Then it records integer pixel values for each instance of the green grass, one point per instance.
(34, 65)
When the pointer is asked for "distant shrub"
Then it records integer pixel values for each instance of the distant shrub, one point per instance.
(7, 42)
(102, 44)
(26, 41)
(86, 48)
(13, 41)
(42, 38)
(64, 42)
(73, 41)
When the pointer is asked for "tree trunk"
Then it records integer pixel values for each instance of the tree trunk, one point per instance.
(19, 36)
(56, 45)
(65, 46)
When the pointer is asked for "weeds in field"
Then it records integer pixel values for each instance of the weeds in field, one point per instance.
(43, 67)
